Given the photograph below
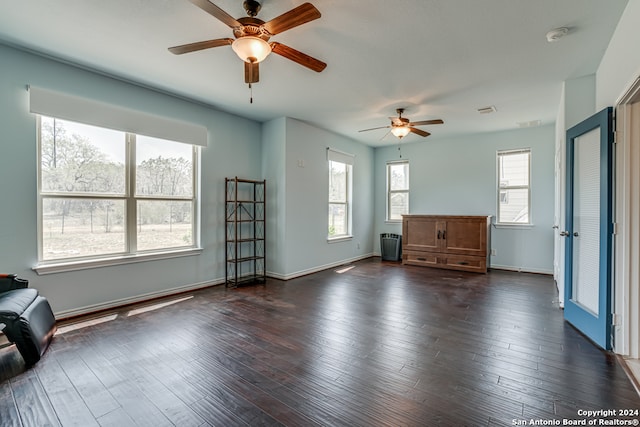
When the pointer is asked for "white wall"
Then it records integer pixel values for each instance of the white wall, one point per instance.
(457, 176)
(302, 220)
(273, 170)
(579, 99)
(230, 137)
(620, 65)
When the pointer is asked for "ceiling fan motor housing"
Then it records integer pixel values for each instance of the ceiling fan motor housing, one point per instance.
(251, 27)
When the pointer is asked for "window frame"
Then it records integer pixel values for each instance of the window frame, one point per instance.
(391, 192)
(347, 160)
(130, 254)
(501, 154)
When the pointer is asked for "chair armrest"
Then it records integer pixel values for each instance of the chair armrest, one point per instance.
(9, 282)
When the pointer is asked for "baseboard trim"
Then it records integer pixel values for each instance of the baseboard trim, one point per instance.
(312, 270)
(89, 309)
(521, 270)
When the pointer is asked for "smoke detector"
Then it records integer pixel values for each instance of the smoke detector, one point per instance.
(556, 34)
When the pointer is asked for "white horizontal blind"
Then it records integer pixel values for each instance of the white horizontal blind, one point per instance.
(339, 156)
(586, 220)
(88, 111)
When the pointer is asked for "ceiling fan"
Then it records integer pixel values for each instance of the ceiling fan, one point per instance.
(401, 126)
(252, 36)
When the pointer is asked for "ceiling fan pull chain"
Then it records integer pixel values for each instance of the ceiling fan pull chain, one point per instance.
(399, 150)
(250, 94)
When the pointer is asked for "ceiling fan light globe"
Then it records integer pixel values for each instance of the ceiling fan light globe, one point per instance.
(251, 49)
(400, 131)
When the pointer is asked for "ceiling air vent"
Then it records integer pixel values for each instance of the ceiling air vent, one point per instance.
(487, 110)
(531, 124)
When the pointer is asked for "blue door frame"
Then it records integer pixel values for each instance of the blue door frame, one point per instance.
(595, 326)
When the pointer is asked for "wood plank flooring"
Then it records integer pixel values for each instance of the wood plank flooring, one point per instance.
(378, 345)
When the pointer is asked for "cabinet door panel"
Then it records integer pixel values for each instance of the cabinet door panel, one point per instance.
(420, 234)
(466, 237)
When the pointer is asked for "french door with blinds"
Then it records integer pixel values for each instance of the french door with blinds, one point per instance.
(589, 227)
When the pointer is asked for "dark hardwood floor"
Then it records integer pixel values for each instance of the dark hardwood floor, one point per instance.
(377, 345)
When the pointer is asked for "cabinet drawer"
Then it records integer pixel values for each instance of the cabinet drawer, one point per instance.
(466, 263)
(419, 258)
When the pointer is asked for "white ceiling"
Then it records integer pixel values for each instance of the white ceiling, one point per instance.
(437, 58)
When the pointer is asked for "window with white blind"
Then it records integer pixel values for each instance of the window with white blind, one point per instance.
(397, 190)
(514, 192)
(107, 195)
(340, 172)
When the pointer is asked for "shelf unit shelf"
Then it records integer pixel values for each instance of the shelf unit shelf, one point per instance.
(245, 232)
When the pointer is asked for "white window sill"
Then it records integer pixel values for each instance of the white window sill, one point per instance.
(393, 221)
(65, 266)
(508, 225)
(339, 239)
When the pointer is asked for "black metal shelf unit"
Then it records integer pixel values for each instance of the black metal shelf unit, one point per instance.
(245, 230)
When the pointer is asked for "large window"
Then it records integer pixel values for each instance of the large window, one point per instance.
(397, 190)
(514, 193)
(340, 166)
(105, 193)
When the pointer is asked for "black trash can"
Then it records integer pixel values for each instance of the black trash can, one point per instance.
(391, 247)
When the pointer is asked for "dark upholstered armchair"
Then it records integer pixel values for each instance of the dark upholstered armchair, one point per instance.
(27, 317)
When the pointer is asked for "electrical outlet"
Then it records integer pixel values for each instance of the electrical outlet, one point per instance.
(358, 245)
(493, 252)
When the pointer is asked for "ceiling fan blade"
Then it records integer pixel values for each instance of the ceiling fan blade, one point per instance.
(419, 132)
(427, 122)
(216, 12)
(381, 127)
(251, 72)
(297, 56)
(192, 47)
(297, 16)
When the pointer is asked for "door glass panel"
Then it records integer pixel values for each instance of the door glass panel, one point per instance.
(586, 220)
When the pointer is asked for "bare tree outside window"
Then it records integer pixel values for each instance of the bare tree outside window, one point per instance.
(84, 195)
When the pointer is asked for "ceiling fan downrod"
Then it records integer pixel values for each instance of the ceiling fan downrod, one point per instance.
(252, 7)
